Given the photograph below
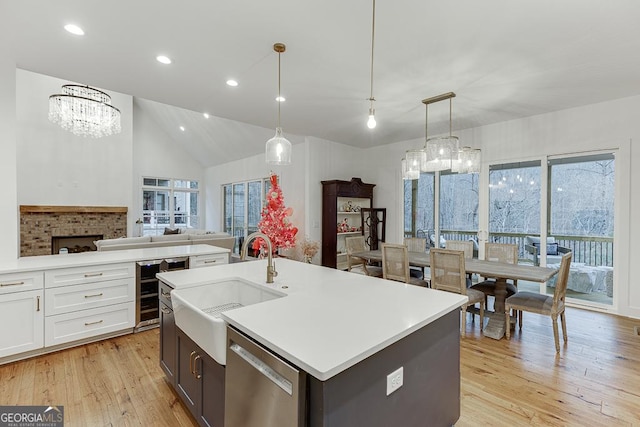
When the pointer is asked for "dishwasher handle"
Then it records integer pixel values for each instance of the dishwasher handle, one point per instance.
(263, 368)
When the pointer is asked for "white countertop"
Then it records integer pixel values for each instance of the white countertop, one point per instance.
(47, 262)
(330, 319)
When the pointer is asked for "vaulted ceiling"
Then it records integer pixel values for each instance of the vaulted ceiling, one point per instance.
(503, 59)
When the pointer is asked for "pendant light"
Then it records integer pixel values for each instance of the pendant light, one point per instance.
(443, 150)
(371, 123)
(278, 148)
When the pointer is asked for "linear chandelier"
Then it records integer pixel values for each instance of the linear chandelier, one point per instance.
(442, 152)
(84, 111)
(278, 148)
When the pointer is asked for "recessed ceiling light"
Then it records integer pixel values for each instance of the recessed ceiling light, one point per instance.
(74, 29)
(280, 98)
(182, 128)
(232, 83)
(206, 115)
(163, 59)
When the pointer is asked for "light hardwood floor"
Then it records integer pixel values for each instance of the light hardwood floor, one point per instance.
(595, 381)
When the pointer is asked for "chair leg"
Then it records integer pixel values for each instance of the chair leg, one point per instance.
(463, 322)
(520, 319)
(554, 319)
(507, 321)
(564, 326)
(482, 307)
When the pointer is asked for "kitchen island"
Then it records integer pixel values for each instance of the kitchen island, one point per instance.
(375, 352)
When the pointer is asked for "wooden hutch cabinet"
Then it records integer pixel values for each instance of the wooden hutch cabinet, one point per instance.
(341, 204)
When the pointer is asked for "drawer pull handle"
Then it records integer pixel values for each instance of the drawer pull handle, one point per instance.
(94, 295)
(38, 304)
(211, 261)
(11, 284)
(165, 310)
(167, 295)
(92, 274)
(92, 323)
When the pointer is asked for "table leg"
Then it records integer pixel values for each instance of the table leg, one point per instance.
(496, 326)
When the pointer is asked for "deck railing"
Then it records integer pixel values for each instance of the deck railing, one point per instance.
(590, 250)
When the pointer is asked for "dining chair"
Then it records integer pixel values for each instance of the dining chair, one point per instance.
(550, 305)
(356, 244)
(499, 252)
(461, 245)
(417, 244)
(395, 265)
(448, 274)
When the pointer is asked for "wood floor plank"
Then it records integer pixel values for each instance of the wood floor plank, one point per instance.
(594, 381)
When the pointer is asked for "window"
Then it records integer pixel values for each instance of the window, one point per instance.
(242, 204)
(419, 199)
(459, 205)
(169, 203)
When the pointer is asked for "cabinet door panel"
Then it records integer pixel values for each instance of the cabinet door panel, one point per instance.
(187, 385)
(168, 342)
(21, 322)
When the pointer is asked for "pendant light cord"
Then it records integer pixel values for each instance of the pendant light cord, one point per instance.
(373, 31)
(279, 97)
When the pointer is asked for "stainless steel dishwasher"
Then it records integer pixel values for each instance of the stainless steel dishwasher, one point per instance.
(262, 390)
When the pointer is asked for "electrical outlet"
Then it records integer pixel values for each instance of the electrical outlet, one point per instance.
(394, 380)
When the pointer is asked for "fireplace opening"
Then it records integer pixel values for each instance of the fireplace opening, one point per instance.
(74, 244)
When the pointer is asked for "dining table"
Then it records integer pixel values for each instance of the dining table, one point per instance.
(500, 271)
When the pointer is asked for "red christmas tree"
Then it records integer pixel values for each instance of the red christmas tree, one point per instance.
(275, 223)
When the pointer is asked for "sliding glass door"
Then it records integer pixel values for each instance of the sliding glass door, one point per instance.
(581, 220)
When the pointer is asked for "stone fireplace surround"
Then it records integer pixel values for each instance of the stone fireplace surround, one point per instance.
(38, 224)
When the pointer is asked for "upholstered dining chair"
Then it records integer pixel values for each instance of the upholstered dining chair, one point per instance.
(357, 244)
(500, 252)
(395, 265)
(448, 274)
(543, 304)
(417, 244)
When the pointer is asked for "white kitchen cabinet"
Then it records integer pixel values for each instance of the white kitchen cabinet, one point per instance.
(84, 302)
(88, 274)
(83, 324)
(21, 322)
(208, 260)
(66, 299)
(23, 281)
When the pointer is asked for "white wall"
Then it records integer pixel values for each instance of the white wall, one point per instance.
(610, 125)
(54, 166)
(9, 242)
(156, 154)
(313, 160)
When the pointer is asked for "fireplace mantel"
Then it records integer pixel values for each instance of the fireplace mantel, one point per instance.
(71, 209)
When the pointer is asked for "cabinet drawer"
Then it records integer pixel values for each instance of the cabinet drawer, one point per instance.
(18, 282)
(208, 260)
(88, 274)
(65, 299)
(78, 325)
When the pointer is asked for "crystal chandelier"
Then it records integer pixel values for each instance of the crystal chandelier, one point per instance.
(278, 148)
(84, 111)
(468, 161)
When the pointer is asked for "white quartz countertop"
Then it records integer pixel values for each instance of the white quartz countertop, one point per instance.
(330, 319)
(47, 262)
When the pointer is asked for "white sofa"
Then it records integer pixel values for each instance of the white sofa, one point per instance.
(222, 240)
